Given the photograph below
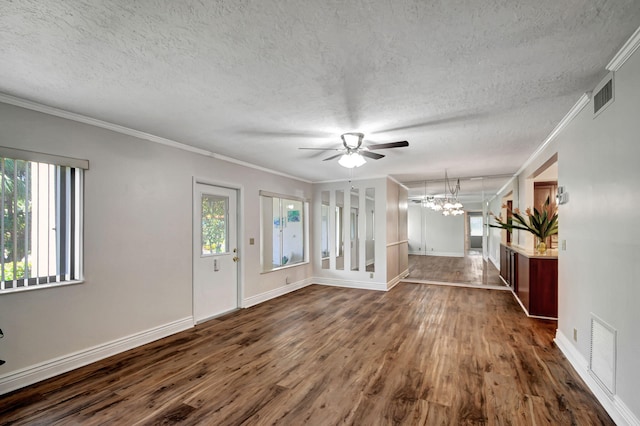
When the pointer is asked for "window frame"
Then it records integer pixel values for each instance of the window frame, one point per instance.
(66, 177)
(264, 229)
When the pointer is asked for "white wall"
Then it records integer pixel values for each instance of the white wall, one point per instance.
(599, 272)
(137, 239)
(431, 233)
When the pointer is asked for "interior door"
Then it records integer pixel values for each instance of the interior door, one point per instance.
(215, 254)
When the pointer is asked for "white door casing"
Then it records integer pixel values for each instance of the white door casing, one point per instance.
(215, 254)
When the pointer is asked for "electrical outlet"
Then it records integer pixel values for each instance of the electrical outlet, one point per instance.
(575, 334)
(286, 280)
(370, 274)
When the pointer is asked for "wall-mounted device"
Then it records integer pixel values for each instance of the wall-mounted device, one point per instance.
(563, 196)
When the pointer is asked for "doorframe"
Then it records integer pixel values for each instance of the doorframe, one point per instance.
(240, 231)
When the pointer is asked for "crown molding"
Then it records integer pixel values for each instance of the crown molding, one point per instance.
(57, 112)
(253, 166)
(573, 112)
(34, 106)
(505, 186)
(398, 182)
(625, 52)
(321, 182)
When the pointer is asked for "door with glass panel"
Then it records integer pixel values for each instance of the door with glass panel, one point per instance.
(215, 256)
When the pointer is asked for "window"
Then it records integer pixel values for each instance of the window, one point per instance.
(475, 225)
(41, 224)
(214, 224)
(284, 231)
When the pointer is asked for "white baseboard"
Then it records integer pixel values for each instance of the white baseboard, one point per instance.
(617, 409)
(45, 370)
(276, 292)
(450, 284)
(438, 253)
(362, 285)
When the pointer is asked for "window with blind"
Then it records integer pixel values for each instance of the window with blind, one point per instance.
(41, 224)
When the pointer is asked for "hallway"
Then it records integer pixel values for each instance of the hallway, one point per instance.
(470, 270)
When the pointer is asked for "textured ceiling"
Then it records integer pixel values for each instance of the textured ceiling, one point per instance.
(474, 86)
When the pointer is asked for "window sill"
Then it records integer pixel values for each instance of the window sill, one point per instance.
(280, 268)
(39, 287)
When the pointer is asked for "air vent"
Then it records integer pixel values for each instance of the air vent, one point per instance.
(602, 357)
(603, 96)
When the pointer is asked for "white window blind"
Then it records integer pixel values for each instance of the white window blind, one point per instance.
(41, 224)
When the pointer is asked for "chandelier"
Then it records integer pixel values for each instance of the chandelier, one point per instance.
(449, 205)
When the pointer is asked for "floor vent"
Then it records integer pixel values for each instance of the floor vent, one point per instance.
(603, 96)
(602, 357)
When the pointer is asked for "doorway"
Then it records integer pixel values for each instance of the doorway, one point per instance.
(476, 228)
(215, 251)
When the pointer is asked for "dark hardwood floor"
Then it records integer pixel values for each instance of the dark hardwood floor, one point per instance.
(470, 270)
(418, 354)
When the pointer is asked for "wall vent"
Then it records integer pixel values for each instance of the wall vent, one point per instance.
(603, 94)
(602, 356)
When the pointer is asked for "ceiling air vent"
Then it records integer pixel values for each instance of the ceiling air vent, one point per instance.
(603, 95)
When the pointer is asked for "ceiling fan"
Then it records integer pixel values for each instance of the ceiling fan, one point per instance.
(353, 152)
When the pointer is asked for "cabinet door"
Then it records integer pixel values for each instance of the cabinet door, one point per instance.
(513, 270)
(543, 297)
(503, 263)
(524, 289)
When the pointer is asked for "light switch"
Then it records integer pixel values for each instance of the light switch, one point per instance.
(564, 245)
(252, 241)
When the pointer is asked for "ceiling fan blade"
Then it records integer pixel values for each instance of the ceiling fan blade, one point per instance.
(388, 145)
(371, 155)
(332, 157)
(322, 149)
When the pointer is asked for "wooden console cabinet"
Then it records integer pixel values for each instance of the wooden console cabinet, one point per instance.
(533, 279)
(509, 266)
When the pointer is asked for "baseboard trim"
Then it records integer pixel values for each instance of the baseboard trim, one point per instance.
(362, 285)
(617, 409)
(276, 292)
(438, 253)
(391, 284)
(444, 283)
(45, 370)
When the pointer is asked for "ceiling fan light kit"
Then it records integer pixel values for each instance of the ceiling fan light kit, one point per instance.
(354, 153)
(351, 160)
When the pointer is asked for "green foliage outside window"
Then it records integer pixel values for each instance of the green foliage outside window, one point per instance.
(15, 210)
(214, 225)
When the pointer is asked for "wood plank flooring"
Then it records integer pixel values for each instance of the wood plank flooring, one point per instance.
(471, 270)
(416, 355)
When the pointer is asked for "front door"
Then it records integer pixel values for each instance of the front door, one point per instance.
(215, 254)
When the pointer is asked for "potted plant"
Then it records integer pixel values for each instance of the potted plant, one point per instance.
(542, 224)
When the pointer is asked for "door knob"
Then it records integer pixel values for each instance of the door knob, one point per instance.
(236, 258)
